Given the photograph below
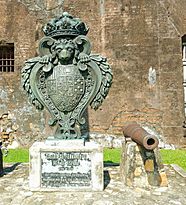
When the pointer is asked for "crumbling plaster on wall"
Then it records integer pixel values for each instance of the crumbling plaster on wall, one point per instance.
(134, 36)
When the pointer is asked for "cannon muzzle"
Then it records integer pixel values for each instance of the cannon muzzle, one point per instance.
(140, 136)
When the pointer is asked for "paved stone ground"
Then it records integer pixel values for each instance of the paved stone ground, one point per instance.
(14, 190)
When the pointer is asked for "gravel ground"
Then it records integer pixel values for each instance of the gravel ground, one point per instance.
(15, 191)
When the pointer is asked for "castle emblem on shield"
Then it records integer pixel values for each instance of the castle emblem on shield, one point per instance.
(66, 77)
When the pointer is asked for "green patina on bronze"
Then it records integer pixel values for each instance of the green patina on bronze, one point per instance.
(66, 77)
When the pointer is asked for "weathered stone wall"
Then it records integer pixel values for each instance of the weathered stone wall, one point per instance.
(139, 35)
(135, 36)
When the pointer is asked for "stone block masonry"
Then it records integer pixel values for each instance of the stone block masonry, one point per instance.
(140, 167)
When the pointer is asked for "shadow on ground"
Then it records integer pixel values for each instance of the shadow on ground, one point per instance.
(106, 172)
(11, 168)
(110, 164)
(106, 179)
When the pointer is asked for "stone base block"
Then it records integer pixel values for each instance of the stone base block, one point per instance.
(68, 166)
(140, 167)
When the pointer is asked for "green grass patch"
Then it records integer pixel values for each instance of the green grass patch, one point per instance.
(168, 156)
(22, 155)
(17, 155)
(112, 155)
(174, 157)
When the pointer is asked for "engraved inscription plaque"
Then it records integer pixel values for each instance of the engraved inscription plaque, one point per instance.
(65, 169)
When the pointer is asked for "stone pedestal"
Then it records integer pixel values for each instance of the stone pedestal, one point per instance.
(67, 165)
(141, 167)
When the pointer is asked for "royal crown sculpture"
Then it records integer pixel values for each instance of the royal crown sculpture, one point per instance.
(66, 78)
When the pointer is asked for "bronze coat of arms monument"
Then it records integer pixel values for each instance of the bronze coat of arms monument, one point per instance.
(65, 79)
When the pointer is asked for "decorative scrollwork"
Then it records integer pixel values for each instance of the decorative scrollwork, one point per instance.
(66, 78)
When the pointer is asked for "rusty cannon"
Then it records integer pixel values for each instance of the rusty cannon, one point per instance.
(140, 136)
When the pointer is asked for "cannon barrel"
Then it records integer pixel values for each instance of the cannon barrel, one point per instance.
(140, 136)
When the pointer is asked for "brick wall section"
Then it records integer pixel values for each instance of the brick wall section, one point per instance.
(140, 35)
(133, 35)
(17, 26)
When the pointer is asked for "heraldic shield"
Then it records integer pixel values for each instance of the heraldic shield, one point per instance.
(65, 86)
(66, 78)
